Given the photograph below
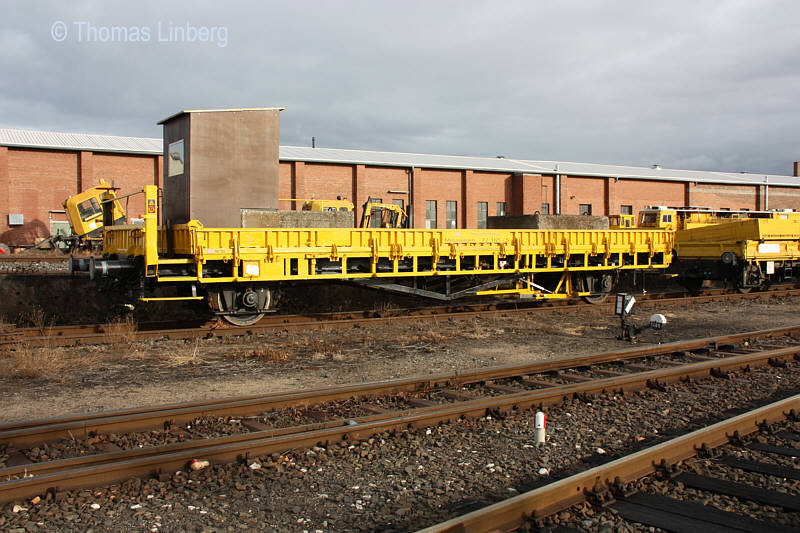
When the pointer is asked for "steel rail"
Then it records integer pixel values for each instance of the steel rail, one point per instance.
(98, 471)
(32, 432)
(510, 514)
(104, 333)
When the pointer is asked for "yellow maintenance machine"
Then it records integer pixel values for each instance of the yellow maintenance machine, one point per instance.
(748, 249)
(379, 215)
(85, 214)
(374, 215)
(326, 205)
(235, 269)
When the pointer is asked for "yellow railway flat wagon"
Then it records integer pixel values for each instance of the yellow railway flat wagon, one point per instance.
(749, 252)
(236, 268)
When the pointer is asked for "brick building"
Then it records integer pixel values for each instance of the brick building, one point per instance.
(38, 170)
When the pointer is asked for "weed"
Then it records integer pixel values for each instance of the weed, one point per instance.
(268, 355)
(187, 357)
(386, 308)
(120, 330)
(322, 346)
(36, 318)
(49, 361)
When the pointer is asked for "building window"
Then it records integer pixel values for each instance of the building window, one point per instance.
(399, 202)
(626, 210)
(545, 209)
(585, 209)
(452, 214)
(483, 211)
(501, 209)
(430, 214)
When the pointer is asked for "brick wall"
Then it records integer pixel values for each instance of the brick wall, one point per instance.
(724, 196)
(285, 172)
(643, 193)
(581, 190)
(34, 183)
(326, 182)
(439, 185)
(377, 183)
(783, 198)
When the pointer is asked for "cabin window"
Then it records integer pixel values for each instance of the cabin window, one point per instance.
(89, 208)
(649, 219)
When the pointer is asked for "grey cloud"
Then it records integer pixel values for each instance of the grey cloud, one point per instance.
(707, 85)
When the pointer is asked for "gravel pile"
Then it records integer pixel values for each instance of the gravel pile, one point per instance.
(35, 267)
(403, 481)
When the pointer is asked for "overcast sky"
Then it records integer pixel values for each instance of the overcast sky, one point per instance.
(707, 85)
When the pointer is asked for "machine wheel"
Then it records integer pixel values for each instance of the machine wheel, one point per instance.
(600, 285)
(751, 277)
(241, 306)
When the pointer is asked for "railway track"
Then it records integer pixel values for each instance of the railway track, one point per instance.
(103, 333)
(247, 428)
(617, 484)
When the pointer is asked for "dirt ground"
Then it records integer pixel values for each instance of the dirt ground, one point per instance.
(48, 382)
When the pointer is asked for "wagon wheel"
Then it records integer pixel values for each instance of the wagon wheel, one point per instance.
(245, 305)
(599, 285)
(751, 277)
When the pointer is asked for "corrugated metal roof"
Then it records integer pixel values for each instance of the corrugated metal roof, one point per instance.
(152, 146)
(329, 155)
(80, 141)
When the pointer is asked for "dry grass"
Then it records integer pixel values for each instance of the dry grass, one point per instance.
(49, 361)
(189, 356)
(5, 325)
(481, 331)
(120, 331)
(36, 318)
(267, 354)
(323, 347)
(386, 308)
(430, 337)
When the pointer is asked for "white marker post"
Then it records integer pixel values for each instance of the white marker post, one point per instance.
(539, 427)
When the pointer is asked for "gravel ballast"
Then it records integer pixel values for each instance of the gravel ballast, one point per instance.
(410, 479)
